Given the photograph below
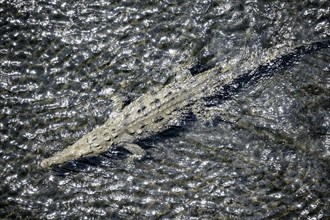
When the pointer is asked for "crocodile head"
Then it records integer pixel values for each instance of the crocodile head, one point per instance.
(87, 146)
(71, 153)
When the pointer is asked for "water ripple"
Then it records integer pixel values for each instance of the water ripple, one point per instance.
(65, 65)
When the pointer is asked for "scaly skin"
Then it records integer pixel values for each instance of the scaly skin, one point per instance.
(148, 115)
(153, 113)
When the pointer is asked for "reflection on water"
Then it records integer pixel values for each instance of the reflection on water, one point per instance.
(64, 66)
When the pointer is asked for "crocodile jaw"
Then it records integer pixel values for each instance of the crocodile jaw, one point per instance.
(71, 153)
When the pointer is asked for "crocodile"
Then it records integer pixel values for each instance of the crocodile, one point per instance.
(155, 112)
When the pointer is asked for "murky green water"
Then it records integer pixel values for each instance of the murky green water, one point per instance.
(264, 153)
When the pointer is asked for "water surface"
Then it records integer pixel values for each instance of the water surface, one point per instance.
(262, 151)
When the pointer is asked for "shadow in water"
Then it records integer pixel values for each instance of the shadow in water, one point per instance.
(264, 71)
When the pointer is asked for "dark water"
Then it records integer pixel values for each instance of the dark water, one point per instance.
(262, 153)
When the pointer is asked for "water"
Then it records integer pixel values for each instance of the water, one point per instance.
(264, 153)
